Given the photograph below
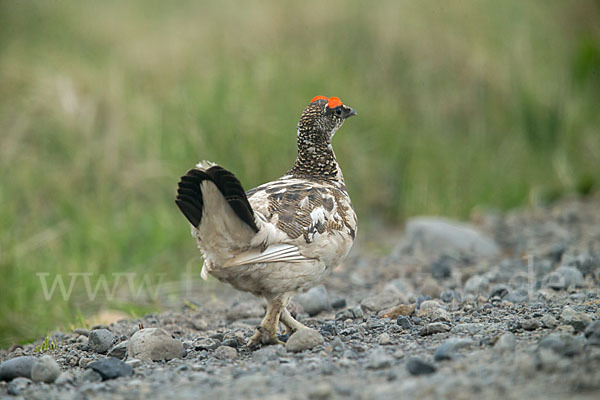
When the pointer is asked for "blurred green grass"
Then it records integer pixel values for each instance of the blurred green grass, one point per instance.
(103, 105)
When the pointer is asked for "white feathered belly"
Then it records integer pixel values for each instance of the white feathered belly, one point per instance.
(273, 278)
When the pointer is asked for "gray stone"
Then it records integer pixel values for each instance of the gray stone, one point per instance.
(17, 367)
(268, 353)
(350, 313)
(467, 328)
(592, 333)
(378, 359)
(45, 370)
(245, 309)
(417, 366)
(404, 322)
(434, 235)
(110, 368)
(226, 353)
(477, 284)
(450, 348)
(387, 298)
(564, 277)
(17, 386)
(65, 378)
(320, 391)
(205, 343)
(530, 324)
(154, 344)
(442, 267)
(134, 362)
(119, 350)
(384, 339)
(578, 320)
(563, 344)
(506, 343)
(303, 339)
(314, 300)
(433, 328)
(433, 311)
(89, 376)
(101, 340)
(548, 321)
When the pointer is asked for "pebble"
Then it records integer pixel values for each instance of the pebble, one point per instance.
(17, 367)
(563, 344)
(65, 378)
(154, 344)
(350, 313)
(499, 290)
(226, 353)
(384, 339)
(245, 309)
(467, 328)
(449, 349)
(477, 284)
(89, 376)
(404, 322)
(394, 312)
(548, 321)
(119, 350)
(433, 235)
(530, 324)
(565, 277)
(578, 320)
(417, 366)
(320, 391)
(506, 343)
(268, 353)
(303, 339)
(442, 267)
(17, 386)
(205, 343)
(448, 295)
(433, 328)
(378, 359)
(338, 303)
(433, 311)
(431, 288)
(592, 333)
(314, 300)
(386, 299)
(45, 369)
(110, 368)
(134, 362)
(101, 340)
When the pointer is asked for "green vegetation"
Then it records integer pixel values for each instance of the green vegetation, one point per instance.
(103, 105)
(46, 345)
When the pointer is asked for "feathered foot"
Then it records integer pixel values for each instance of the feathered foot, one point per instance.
(266, 332)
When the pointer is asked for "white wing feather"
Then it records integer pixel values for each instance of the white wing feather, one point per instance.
(273, 253)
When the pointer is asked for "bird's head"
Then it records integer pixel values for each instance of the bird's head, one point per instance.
(323, 117)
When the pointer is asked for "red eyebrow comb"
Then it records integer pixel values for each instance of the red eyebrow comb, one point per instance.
(319, 98)
(334, 102)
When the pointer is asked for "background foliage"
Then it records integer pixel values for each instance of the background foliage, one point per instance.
(103, 105)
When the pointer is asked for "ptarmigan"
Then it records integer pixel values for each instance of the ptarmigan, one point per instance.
(284, 236)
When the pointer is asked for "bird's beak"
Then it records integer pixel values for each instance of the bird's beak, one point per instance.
(348, 112)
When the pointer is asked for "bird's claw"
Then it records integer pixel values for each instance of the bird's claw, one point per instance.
(261, 337)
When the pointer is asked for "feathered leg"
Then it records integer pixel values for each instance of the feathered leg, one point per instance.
(290, 323)
(266, 332)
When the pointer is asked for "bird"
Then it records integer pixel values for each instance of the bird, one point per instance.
(282, 237)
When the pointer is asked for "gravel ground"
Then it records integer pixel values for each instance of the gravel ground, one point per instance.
(507, 307)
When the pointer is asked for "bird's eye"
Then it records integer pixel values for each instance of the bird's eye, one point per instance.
(338, 111)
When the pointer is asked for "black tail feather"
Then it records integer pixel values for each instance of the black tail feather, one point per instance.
(189, 194)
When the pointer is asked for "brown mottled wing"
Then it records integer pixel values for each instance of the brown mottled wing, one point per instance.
(303, 208)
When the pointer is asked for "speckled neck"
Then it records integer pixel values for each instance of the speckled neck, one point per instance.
(315, 157)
